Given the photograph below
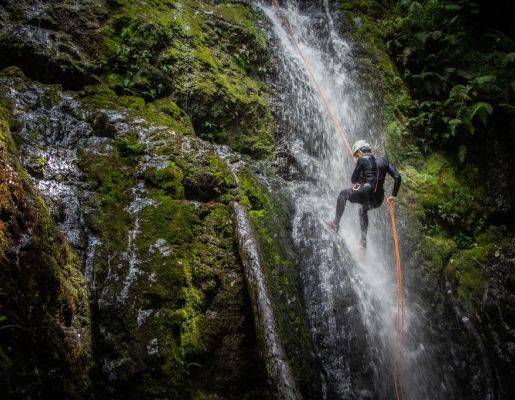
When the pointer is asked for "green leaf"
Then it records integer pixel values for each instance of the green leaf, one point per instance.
(452, 7)
(455, 122)
(463, 114)
(2, 318)
(482, 110)
(482, 80)
(422, 37)
(436, 35)
(465, 74)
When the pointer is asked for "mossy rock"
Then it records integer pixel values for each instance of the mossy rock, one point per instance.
(44, 294)
(163, 112)
(271, 219)
(12, 71)
(437, 252)
(201, 54)
(440, 195)
(468, 269)
(168, 180)
(190, 286)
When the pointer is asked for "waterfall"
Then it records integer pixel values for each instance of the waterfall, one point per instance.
(349, 293)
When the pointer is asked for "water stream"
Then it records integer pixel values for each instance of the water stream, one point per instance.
(349, 293)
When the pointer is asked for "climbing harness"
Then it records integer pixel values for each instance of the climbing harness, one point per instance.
(398, 267)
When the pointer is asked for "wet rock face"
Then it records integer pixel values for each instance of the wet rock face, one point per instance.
(498, 320)
(133, 197)
(147, 211)
(45, 332)
(51, 41)
(209, 57)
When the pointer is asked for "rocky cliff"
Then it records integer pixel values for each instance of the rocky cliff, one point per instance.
(121, 274)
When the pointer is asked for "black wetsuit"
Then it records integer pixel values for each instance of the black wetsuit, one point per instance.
(368, 180)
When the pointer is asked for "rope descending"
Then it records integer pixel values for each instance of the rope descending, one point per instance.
(399, 326)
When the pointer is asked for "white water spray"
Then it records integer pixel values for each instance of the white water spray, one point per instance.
(321, 168)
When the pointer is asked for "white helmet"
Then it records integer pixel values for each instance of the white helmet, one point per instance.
(360, 144)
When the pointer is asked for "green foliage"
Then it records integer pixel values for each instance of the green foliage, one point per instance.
(461, 82)
(457, 77)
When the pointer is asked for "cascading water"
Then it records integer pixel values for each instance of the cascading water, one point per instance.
(349, 294)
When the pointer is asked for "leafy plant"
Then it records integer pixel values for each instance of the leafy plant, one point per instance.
(460, 79)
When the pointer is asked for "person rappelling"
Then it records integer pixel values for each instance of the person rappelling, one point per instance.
(368, 180)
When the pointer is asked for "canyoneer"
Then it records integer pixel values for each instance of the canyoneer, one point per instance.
(367, 180)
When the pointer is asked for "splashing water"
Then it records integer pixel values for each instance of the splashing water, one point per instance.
(349, 293)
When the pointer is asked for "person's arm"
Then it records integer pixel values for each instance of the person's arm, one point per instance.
(392, 171)
(357, 171)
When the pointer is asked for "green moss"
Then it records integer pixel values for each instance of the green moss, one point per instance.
(4, 124)
(254, 197)
(131, 102)
(128, 146)
(270, 219)
(437, 252)
(468, 268)
(12, 72)
(204, 56)
(193, 334)
(108, 176)
(221, 173)
(100, 96)
(440, 195)
(171, 220)
(163, 112)
(168, 179)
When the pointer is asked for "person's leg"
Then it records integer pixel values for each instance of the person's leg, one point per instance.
(340, 207)
(363, 222)
(375, 200)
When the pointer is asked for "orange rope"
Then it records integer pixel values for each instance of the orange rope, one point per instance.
(336, 123)
(398, 268)
(400, 308)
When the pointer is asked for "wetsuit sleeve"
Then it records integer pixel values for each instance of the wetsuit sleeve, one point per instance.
(357, 171)
(397, 178)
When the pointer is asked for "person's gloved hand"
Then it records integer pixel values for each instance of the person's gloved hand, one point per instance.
(391, 200)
